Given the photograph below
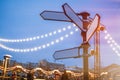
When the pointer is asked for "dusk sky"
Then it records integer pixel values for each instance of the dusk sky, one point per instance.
(21, 20)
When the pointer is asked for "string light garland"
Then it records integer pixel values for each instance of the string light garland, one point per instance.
(44, 45)
(37, 37)
(115, 47)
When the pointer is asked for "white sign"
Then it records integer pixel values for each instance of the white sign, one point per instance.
(92, 27)
(67, 53)
(73, 16)
(53, 15)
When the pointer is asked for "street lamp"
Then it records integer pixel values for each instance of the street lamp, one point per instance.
(5, 65)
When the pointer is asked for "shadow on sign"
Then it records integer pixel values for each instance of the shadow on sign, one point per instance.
(67, 53)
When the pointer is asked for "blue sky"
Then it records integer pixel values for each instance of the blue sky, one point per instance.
(21, 19)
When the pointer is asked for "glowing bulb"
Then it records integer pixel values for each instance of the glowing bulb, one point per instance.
(46, 35)
(74, 25)
(118, 46)
(76, 29)
(24, 50)
(111, 45)
(106, 37)
(69, 27)
(110, 38)
(59, 30)
(71, 32)
(52, 42)
(43, 46)
(64, 29)
(50, 34)
(35, 49)
(113, 49)
(57, 41)
(23, 39)
(105, 31)
(27, 50)
(27, 39)
(113, 41)
(66, 35)
(31, 50)
(115, 44)
(116, 51)
(61, 38)
(108, 41)
(21, 50)
(48, 44)
(30, 39)
(54, 32)
(34, 38)
(17, 40)
(42, 36)
(39, 47)
(38, 37)
(118, 54)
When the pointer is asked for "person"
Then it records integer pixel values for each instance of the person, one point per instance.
(14, 76)
(56, 76)
(29, 76)
(64, 76)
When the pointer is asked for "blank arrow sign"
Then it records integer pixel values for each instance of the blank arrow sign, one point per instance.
(72, 16)
(92, 27)
(53, 15)
(67, 53)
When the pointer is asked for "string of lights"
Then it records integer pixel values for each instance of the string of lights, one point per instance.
(41, 46)
(37, 37)
(115, 47)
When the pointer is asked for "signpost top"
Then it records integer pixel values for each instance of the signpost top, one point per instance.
(69, 12)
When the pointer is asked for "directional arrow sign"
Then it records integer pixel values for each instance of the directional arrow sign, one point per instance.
(67, 53)
(92, 27)
(53, 15)
(72, 16)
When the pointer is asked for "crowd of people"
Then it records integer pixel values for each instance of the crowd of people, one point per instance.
(55, 76)
(33, 76)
